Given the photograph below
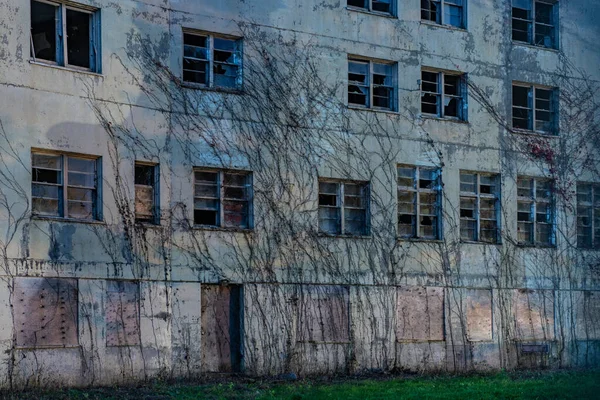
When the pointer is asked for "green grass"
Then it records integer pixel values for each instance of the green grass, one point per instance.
(523, 385)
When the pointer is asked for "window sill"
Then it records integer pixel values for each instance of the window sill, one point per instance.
(25, 348)
(70, 69)
(377, 110)
(416, 341)
(449, 27)
(221, 229)
(323, 342)
(589, 249)
(374, 13)
(535, 246)
(533, 46)
(216, 89)
(480, 243)
(418, 240)
(341, 236)
(68, 220)
(519, 131)
(442, 119)
(147, 224)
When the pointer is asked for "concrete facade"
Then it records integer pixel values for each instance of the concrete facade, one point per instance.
(130, 301)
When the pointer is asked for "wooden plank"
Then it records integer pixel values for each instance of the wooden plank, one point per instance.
(45, 312)
(420, 314)
(324, 314)
(534, 310)
(587, 315)
(479, 315)
(122, 314)
(216, 339)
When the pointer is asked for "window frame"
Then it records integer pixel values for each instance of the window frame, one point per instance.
(394, 86)
(440, 20)
(592, 208)
(61, 40)
(340, 204)
(531, 33)
(155, 218)
(249, 185)
(441, 94)
(533, 110)
(210, 37)
(369, 8)
(496, 196)
(63, 200)
(416, 191)
(533, 202)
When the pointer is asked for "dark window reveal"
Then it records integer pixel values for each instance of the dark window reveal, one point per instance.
(211, 60)
(534, 22)
(222, 199)
(371, 84)
(64, 35)
(343, 207)
(443, 94)
(64, 186)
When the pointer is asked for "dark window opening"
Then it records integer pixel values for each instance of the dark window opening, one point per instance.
(211, 60)
(43, 30)
(78, 38)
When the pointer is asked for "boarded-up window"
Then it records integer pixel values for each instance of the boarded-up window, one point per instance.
(45, 312)
(587, 309)
(534, 310)
(221, 328)
(146, 193)
(323, 314)
(420, 314)
(122, 314)
(479, 315)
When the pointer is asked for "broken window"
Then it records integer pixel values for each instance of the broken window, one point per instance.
(419, 197)
(371, 84)
(324, 314)
(533, 108)
(382, 6)
(146, 193)
(444, 12)
(222, 198)
(535, 216)
(64, 186)
(122, 314)
(479, 207)
(45, 312)
(65, 35)
(343, 207)
(443, 94)
(534, 22)
(212, 61)
(588, 215)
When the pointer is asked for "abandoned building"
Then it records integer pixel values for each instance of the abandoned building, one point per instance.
(297, 186)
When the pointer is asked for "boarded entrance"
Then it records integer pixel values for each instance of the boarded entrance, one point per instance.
(221, 328)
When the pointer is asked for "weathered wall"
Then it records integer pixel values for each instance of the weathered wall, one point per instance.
(307, 304)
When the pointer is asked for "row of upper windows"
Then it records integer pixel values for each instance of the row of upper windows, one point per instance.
(67, 186)
(534, 22)
(372, 84)
(70, 37)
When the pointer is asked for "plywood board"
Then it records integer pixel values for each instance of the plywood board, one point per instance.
(122, 314)
(324, 314)
(420, 314)
(45, 312)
